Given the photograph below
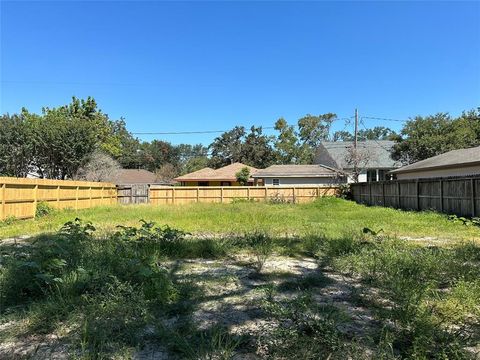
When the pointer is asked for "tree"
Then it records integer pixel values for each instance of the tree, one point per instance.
(257, 150)
(424, 137)
(16, 149)
(227, 148)
(157, 153)
(376, 133)
(99, 167)
(289, 150)
(167, 172)
(343, 135)
(313, 129)
(194, 164)
(358, 159)
(243, 176)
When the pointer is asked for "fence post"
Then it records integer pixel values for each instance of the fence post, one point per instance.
(101, 195)
(198, 194)
(90, 197)
(76, 197)
(248, 193)
(221, 195)
(417, 185)
(383, 193)
(472, 183)
(58, 197)
(294, 195)
(266, 194)
(4, 208)
(173, 195)
(441, 195)
(35, 196)
(398, 194)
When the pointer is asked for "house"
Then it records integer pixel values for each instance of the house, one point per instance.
(374, 160)
(299, 175)
(225, 176)
(136, 176)
(462, 162)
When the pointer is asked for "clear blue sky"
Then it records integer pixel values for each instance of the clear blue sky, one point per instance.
(182, 66)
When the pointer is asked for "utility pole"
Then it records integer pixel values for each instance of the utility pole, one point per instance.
(356, 129)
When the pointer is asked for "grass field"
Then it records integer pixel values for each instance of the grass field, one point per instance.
(253, 281)
(330, 216)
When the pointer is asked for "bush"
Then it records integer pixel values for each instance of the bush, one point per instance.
(43, 209)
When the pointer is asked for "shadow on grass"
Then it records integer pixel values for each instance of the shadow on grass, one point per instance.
(195, 298)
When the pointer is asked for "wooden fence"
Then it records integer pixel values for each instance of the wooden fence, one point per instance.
(187, 194)
(133, 194)
(453, 195)
(19, 197)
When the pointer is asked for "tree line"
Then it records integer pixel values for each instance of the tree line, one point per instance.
(65, 142)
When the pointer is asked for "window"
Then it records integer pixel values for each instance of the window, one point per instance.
(371, 175)
(203, 183)
(225, 183)
(382, 175)
(276, 182)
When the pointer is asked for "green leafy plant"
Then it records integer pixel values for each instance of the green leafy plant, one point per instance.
(261, 245)
(243, 176)
(77, 228)
(43, 209)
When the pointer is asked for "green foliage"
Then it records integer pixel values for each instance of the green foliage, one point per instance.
(312, 130)
(261, 245)
(475, 221)
(43, 209)
(424, 137)
(236, 145)
(375, 133)
(243, 176)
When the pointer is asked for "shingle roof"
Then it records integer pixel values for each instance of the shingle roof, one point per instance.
(449, 159)
(297, 171)
(226, 173)
(134, 176)
(199, 174)
(335, 153)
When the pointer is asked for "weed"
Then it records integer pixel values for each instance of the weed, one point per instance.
(43, 209)
(261, 245)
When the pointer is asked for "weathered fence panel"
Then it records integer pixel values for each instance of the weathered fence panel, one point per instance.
(19, 197)
(452, 195)
(133, 194)
(226, 194)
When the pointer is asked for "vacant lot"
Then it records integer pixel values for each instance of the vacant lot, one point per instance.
(329, 216)
(251, 281)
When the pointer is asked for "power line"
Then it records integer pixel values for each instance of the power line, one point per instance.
(212, 131)
(385, 119)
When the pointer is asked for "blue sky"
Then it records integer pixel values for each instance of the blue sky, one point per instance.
(187, 66)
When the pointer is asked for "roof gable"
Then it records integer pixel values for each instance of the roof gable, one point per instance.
(335, 153)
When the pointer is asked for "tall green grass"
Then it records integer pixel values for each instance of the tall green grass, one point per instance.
(331, 216)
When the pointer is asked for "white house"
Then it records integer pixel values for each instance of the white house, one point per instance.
(299, 175)
(375, 161)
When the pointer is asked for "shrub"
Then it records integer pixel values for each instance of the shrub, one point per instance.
(261, 245)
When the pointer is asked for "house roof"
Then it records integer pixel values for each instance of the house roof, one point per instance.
(134, 176)
(226, 173)
(297, 171)
(451, 159)
(335, 154)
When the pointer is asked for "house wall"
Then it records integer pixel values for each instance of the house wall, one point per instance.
(303, 181)
(460, 171)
